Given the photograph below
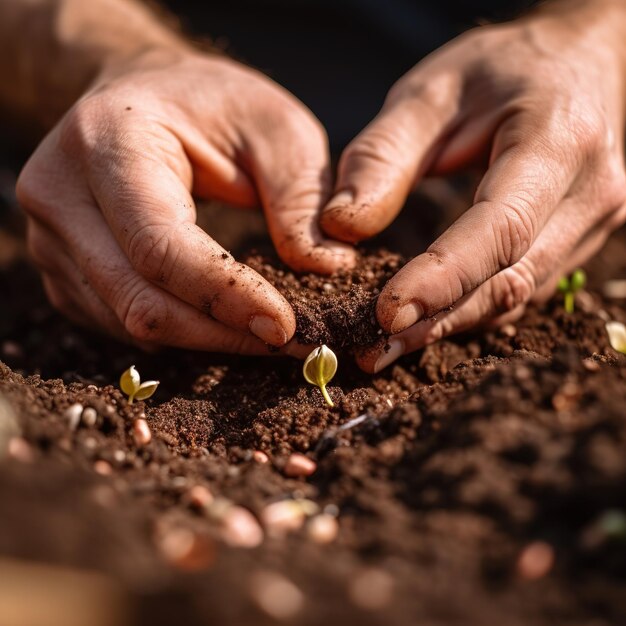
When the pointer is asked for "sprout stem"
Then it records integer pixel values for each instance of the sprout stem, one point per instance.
(568, 301)
(326, 396)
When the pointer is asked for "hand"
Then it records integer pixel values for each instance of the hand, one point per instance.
(541, 99)
(108, 195)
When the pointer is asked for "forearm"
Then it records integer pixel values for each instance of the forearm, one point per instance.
(51, 50)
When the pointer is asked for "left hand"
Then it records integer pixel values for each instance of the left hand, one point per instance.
(543, 99)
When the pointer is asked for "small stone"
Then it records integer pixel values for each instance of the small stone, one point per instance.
(276, 595)
(323, 528)
(371, 589)
(283, 517)
(199, 497)
(299, 466)
(141, 433)
(103, 467)
(327, 288)
(535, 560)
(19, 449)
(9, 426)
(615, 289)
(12, 350)
(186, 550)
(590, 365)
(239, 528)
(72, 415)
(260, 457)
(508, 330)
(119, 456)
(90, 416)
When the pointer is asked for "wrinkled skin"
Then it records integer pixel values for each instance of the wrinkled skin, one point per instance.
(108, 195)
(540, 100)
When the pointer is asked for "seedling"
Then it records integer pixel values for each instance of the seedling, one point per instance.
(569, 286)
(131, 385)
(319, 368)
(617, 336)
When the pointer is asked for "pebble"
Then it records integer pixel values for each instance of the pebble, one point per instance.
(283, 517)
(260, 457)
(9, 427)
(590, 365)
(19, 449)
(103, 467)
(239, 528)
(186, 549)
(119, 456)
(535, 560)
(276, 595)
(299, 466)
(90, 416)
(508, 330)
(72, 415)
(371, 589)
(12, 349)
(141, 433)
(614, 289)
(199, 497)
(323, 528)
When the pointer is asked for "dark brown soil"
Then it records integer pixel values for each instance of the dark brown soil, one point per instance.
(471, 460)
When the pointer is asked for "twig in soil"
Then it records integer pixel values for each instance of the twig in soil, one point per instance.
(328, 440)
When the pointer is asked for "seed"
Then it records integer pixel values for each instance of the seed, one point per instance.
(371, 589)
(103, 467)
(276, 595)
(535, 560)
(141, 433)
(199, 497)
(299, 466)
(283, 517)
(19, 449)
(260, 457)
(187, 550)
(508, 330)
(90, 416)
(323, 528)
(240, 528)
(72, 415)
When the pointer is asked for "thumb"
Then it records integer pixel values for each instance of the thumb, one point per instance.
(380, 166)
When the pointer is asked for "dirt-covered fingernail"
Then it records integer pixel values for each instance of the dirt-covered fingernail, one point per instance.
(393, 352)
(268, 330)
(406, 316)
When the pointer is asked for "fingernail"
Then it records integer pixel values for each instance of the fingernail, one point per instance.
(268, 330)
(395, 351)
(406, 316)
(343, 198)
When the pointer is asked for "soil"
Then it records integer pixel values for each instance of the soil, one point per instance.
(477, 481)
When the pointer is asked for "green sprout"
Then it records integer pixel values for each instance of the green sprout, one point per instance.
(319, 368)
(569, 286)
(131, 385)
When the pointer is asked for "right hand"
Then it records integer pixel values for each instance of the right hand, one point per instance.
(111, 218)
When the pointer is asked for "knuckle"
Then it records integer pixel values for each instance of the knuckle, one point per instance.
(615, 186)
(515, 230)
(151, 252)
(146, 315)
(29, 191)
(513, 287)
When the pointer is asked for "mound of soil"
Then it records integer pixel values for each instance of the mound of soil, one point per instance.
(481, 480)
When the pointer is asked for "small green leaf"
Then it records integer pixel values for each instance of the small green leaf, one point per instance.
(617, 336)
(578, 280)
(146, 390)
(129, 381)
(319, 368)
(563, 284)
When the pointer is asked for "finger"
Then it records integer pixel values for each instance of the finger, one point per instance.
(290, 164)
(379, 167)
(569, 233)
(152, 215)
(518, 194)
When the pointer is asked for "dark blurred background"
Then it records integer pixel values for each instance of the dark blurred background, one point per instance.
(339, 57)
